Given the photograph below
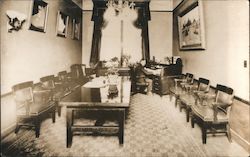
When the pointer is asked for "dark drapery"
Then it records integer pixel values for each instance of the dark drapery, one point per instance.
(141, 22)
(96, 42)
(97, 17)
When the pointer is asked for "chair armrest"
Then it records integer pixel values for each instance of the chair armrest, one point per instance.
(222, 104)
(188, 85)
(202, 96)
(180, 80)
(142, 76)
(219, 107)
(58, 83)
(206, 95)
(41, 91)
(200, 92)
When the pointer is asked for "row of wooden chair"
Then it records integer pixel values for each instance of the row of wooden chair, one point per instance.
(207, 106)
(33, 101)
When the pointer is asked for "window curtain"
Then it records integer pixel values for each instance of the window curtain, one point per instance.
(97, 17)
(142, 23)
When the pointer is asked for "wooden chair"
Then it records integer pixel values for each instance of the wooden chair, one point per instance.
(138, 78)
(78, 73)
(58, 91)
(64, 79)
(179, 84)
(190, 98)
(187, 79)
(31, 103)
(213, 113)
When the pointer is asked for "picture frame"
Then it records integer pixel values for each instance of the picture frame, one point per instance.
(62, 24)
(191, 27)
(76, 29)
(39, 16)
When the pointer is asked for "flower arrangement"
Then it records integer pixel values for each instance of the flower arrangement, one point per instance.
(112, 76)
(125, 60)
(112, 66)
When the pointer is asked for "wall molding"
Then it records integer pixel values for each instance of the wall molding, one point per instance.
(241, 141)
(7, 131)
(236, 97)
(5, 94)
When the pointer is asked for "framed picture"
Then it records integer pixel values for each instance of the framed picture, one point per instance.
(62, 24)
(76, 29)
(39, 15)
(191, 27)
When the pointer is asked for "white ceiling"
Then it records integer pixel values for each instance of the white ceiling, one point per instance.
(155, 5)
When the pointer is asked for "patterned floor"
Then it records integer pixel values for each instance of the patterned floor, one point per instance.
(154, 127)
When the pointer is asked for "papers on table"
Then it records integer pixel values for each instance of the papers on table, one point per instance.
(98, 82)
(154, 72)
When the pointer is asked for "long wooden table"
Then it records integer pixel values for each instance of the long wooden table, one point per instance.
(93, 97)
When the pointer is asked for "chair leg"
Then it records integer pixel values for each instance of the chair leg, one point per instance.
(187, 111)
(17, 128)
(170, 97)
(176, 101)
(204, 133)
(192, 121)
(17, 125)
(59, 110)
(37, 126)
(229, 133)
(180, 105)
(53, 114)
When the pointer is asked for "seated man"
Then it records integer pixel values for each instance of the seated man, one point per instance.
(148, 80)
(141, 81)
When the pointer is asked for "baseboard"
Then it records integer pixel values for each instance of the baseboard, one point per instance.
(241, 141)
(7, 131)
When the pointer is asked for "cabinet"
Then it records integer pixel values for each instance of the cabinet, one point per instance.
(163, 82)
(156, 87)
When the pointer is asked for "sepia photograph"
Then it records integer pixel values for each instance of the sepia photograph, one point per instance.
(125, 78)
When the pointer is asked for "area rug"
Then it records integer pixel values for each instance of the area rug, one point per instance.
(153, 128)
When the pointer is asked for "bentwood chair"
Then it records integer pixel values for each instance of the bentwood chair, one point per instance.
(31, 103)
(190, 97)
(213, 114)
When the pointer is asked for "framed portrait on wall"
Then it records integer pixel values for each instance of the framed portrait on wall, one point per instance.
(191, 28)
(62, 24)
(39, 15)
(76, 29)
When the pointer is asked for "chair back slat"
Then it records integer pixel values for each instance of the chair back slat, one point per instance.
(189, 77)
(203, 84)
(48, 82)
(224, 94)
(77, 71)
(23, 92)
(62, 75)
